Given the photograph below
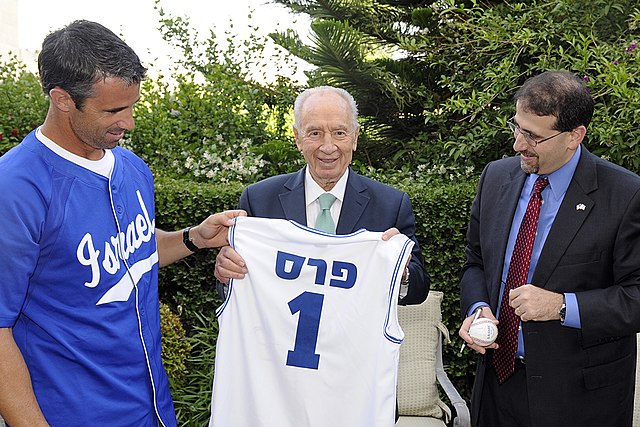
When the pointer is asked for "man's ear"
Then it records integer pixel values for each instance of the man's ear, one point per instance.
(61, 99)
(577, 135)
(296, 136)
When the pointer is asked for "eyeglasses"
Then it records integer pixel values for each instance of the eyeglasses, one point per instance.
(336, 135)
(527, 136)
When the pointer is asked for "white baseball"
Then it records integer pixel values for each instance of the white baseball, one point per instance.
(483, 331)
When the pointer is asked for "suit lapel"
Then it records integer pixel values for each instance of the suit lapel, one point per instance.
(292, 198)
(572, 213)
(506, 202)
(354, 204)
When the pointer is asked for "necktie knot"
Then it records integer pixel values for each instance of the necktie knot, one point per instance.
(326, 200)
(540, 185)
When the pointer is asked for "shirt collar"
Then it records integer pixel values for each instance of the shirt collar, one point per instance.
(312, 190)
(560, 179)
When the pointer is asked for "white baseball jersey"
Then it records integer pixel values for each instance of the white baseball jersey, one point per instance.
(310, 336)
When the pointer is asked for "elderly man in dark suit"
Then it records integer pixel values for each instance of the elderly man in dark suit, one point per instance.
(326, 131)
(553, 250)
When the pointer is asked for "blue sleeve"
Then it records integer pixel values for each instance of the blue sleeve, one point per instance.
(475, 306)
(572, 316)
(23, 213)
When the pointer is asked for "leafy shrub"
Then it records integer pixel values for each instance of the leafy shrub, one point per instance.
(486, 53)
(214, 120)
(435, 79)
(442, 215)
(189, 285)
(175, 345)
(23, 106)
(193, 400)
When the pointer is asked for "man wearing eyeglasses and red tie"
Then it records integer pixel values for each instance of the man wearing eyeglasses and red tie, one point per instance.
(553, 253)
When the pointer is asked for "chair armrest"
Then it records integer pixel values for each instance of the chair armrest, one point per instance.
(462, 418)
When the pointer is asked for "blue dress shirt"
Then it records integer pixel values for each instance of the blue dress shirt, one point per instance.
(552, 197)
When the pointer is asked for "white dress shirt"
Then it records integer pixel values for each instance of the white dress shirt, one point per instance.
(312, 191)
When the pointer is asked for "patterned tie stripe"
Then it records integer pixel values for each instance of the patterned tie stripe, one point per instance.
(504, 356)
(324, 221)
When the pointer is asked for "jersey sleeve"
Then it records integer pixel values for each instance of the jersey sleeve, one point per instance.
(23, 212)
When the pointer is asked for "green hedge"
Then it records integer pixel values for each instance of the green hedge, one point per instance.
(442, 214)
(188, 287)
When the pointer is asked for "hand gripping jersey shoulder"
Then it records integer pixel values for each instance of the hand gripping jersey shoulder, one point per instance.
(310, 337)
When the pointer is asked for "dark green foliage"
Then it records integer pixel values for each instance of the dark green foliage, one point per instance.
(442, 214)
(175, 346)
(192, 400)
(486, 53)
(435, 80)
(189, 285)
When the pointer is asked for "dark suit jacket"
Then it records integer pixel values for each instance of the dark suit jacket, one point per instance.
(367, 204)
(575, 377)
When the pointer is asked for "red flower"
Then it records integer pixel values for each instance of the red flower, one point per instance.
(1, 136)
(15, 132)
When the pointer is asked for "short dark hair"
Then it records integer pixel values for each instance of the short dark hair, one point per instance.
(79, 55)
(560, 94)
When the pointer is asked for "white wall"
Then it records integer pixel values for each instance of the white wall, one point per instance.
(10, 36)
(8, 25)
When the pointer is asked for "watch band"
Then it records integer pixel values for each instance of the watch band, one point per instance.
(563, 312)
(187, 241)
(405, 281)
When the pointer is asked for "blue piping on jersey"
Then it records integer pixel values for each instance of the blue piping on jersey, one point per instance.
(392, 290)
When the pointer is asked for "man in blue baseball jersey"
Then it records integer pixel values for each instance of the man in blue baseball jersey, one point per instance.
(79, 312)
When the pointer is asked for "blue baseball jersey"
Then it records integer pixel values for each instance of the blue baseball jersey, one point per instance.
(78, 285)
(310, 336)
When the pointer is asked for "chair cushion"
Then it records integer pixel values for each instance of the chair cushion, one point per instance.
(417, 388)
(420, 422)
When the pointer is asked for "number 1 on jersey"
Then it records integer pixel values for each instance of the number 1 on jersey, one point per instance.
(309, 305)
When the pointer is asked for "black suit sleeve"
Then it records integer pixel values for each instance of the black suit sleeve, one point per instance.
(419, 281)
(473, 287)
